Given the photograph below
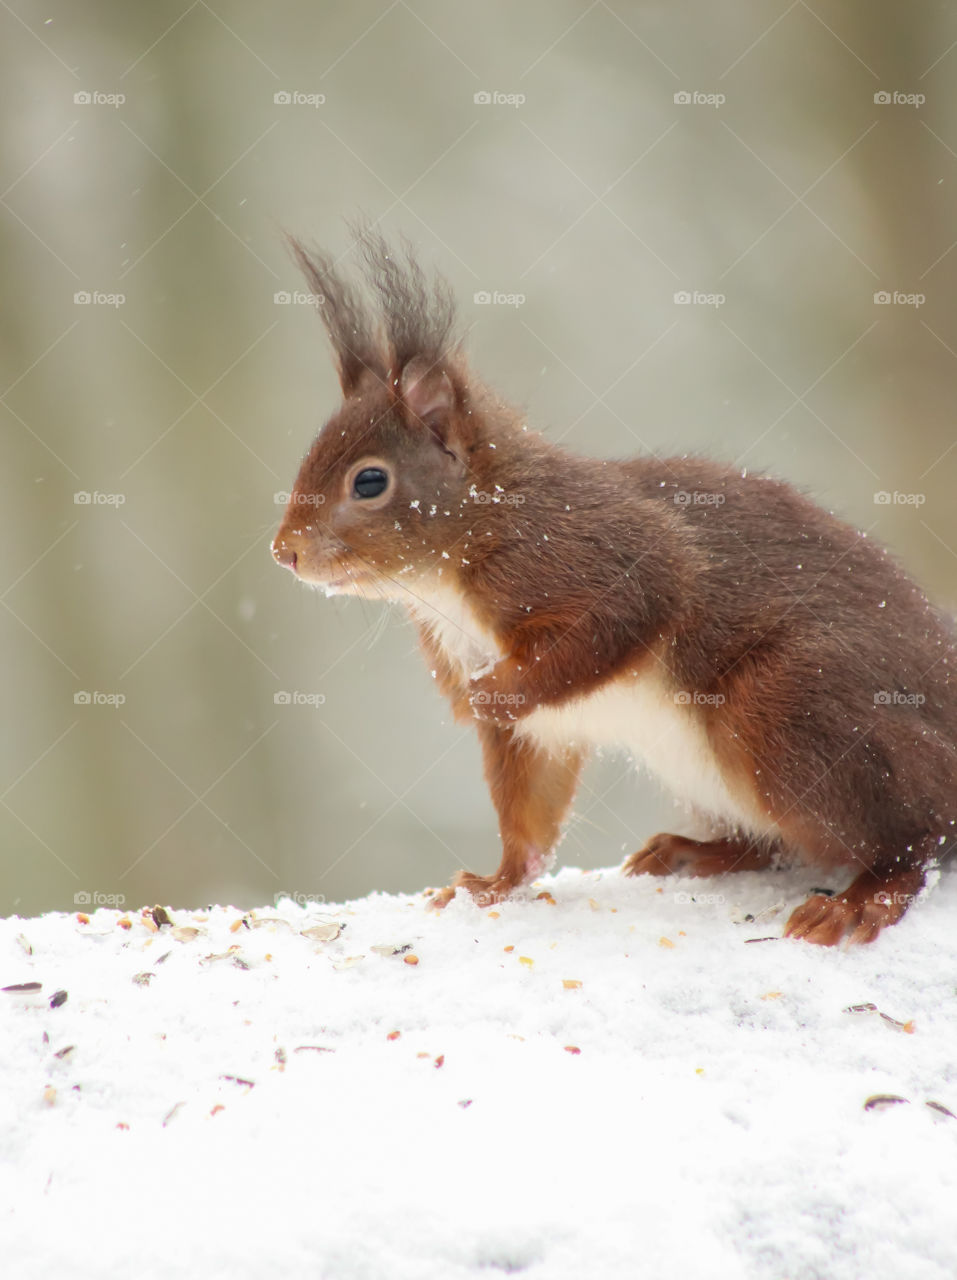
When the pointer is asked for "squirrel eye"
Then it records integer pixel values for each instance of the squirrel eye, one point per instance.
(369, 482)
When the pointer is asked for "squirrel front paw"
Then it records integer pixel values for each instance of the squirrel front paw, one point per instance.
(485, 890)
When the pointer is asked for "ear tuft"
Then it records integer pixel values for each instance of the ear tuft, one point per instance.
(418, 313)
(354, 332)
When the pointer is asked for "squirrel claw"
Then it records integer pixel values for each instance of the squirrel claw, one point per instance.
(665, 854)
(485, 890)
(864, 908)
(823, 920)
(659, 857)
(441, 898)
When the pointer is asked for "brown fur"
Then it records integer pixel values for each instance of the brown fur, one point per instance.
(665, 854)
(532, 792)
(831, 705)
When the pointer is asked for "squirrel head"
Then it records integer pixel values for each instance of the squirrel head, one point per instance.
(385, 492)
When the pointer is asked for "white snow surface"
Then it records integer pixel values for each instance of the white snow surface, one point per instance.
(711, 1124)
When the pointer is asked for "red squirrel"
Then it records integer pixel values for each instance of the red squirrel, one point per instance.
(771, 664)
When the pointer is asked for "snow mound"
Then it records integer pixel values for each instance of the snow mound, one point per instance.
(602, 1078)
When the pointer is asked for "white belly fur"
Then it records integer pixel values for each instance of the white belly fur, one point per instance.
(636, 714)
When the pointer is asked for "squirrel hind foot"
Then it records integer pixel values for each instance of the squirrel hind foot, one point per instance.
(665, 854)
(868, 905)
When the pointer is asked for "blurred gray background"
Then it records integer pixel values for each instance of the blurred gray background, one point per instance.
(593, 164)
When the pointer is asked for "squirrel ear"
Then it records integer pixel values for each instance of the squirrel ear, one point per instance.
(427, 392)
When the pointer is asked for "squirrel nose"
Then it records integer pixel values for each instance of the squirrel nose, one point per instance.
(284, 555)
